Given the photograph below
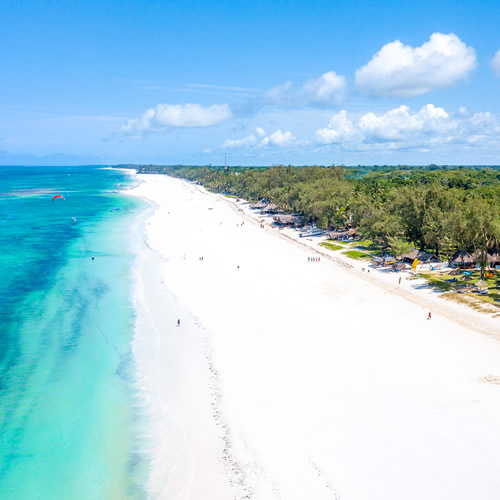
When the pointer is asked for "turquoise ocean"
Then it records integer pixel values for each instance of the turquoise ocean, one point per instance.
(69, 413)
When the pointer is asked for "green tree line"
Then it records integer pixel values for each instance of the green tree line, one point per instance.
(439, 209)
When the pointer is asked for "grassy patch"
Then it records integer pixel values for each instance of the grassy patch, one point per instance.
(342, 242)
(442, 286)
(330, 246)
(354, 254)
(364, 243)
(368, 246)
(442, 283)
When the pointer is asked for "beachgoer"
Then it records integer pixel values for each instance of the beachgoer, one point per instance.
(238, 267)
(430, 316)
(178, 322)
(92, 258)
(400, 280)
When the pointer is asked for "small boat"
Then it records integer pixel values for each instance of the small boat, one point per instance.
(73, 219)
(114, 209)
(315, 231)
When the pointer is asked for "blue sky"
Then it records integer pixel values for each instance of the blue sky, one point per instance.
(302, 82)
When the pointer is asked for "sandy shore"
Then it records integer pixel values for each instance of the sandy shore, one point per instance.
(298, 380)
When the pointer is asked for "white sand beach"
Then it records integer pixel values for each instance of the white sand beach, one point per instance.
(290, 379)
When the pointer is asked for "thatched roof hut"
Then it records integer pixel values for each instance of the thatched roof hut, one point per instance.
(462, 257)
(261, 204)
(269, 208)
(288, 220)
(494, 258)
(421, 255)
(340, 235)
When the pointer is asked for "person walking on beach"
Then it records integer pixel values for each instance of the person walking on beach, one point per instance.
(430, 316)
(400, 280)
(178, 322)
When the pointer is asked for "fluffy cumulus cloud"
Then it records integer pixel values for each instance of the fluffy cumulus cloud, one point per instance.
(279, 138)
(495, 64)
(339, 129)
(399, 128)
(399, 70)
(261, 139)
(166, 116)
(326, 90)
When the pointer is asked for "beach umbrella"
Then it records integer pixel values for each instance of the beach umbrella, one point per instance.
(481, 284)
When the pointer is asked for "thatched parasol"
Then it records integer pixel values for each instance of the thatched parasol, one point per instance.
(481, 284)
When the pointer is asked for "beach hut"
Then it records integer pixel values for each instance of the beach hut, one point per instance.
(259, 205)
(462, 258)
(421, 255)
(288, 220)
(494, 259)
(270, 208)
(342, 235)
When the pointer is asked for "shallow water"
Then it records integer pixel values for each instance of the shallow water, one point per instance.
(66, 321)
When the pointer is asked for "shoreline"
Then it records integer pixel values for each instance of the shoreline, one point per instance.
(294, 380)
(173, 472)
(417, 291)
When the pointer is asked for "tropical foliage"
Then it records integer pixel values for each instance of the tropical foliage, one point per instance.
(441, 209)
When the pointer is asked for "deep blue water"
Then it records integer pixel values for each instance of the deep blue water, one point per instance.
(66, 322)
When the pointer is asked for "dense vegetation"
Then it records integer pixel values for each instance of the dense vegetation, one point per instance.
(442, 209)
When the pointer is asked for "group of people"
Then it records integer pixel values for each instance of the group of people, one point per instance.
(313, 259)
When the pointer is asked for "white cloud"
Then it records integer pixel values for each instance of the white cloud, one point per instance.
(326, 90)
(249, 140)
(399, 123)
(277, 138)
(495, 63)
(166, 116)
(399, 128)
(398, 70)
(280, 138)
(339, 129)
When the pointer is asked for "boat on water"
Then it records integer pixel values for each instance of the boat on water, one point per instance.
(73, 219)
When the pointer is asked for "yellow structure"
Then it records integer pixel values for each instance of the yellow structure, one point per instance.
(414, 264)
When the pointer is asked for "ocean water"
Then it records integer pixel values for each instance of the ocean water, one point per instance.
(67, 403)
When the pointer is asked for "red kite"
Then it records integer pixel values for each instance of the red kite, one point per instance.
(58, 196)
